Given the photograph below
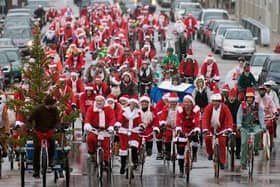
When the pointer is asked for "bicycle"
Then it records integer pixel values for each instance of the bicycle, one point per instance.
(142, 152)
(231, 149)
(101, 135)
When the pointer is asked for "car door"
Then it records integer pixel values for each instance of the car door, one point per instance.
(264, 72)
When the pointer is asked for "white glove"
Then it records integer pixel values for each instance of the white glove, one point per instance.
(110, 129)
(19, 124)
(118, 124)
(87, 127)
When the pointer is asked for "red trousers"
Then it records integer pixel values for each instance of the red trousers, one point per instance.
(222, 143)
(92, 144)
(134, 142)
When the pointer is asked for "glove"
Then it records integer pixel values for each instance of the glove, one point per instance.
(110, 129)
(73, 106)
(87, 127)
(156, 130)
(19, 124)
(141, 128)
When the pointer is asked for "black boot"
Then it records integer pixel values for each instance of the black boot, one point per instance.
(123, 164)
(167, 150)
(181, 167)
(135, 157)
(159, 149)
(149, 148)
(194, 153)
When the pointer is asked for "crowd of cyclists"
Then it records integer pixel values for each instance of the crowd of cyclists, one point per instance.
(107, 61)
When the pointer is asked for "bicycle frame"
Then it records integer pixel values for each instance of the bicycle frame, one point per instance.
(188, 156)
(143, 151)
(250, 141)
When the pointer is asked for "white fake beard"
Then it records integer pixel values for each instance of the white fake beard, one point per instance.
(147, 117)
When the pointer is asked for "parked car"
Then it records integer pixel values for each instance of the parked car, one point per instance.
(256, 63)
(271, 71)
(6, 42)
(16, 21)
(186, 8)
(174, 7)
(21, 36)
(18, 10)
(217, 36)
(32, 5)
(6, 67)
(238, 42)
(211, 29)
(206, 16)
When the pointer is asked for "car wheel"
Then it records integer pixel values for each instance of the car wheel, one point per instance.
(215, 48)
(222, 54)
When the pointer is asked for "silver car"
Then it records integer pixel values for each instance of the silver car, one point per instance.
(216, 40)
(238, 42)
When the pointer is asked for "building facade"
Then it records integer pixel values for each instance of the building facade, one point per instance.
(265, 11)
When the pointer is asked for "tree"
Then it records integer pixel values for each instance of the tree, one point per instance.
(40, 84)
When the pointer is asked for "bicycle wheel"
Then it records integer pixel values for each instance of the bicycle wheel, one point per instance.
(216, 161)
(67, 171)
(22, 168)
(1, 152)
(250, 161)
(232, 152)
(173, 161)
(266, 146)
(99, 164)
(11, 159)
(188, 165)
(44, 165)
(55, 176)
(130, 165)
(142, 159)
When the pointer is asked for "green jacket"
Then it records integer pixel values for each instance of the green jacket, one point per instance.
(246, 81)
(171, 59)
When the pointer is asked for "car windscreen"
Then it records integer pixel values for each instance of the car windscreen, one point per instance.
(215, 15)
(12, 55)
(16, 22)
(275, 66)
(258, 60)
(4, 43)
(3, 59)
(189, 6)
(222, 30)
(17, 33)
(239, 35)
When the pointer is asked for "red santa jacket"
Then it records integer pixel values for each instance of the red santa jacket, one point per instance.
(211, 68)
(81, 43)
(188, 69)
(149, 119)
(95, 45)
(225, 118)
(77, 65)
(190, 23)
(68, 32)
(188, 122)
(85, 102)
(164, 115)
(76, 86)
(100, 118)
(102, 89)
(126, 59)
(159, 107)
(118, 109)
(148, 54)
(129, 119)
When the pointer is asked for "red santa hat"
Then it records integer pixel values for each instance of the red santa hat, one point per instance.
(52, 65)
(225, 88)
(74, 73)
(134, 99)
(166, 95)
(126, 73)
(145, 98)
(124, 98)
(250, 92)
(98, 78)
(190, 53)
(62, 77)
(111, 97)
(173, 97)
(232, 93)
(100, 97)
(216, 95)
(189, 97)
(210, 57)
(88, 87)
(116, 79)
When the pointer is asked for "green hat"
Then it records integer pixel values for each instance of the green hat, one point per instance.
(170, 49)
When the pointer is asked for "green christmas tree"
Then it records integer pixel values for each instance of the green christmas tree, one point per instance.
(40, 83)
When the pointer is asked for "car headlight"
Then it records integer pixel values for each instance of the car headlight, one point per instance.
(30, 43)
(6, 68)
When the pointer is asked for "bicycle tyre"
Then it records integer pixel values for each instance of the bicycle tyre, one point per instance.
(100, 164)
(67, 171)
(216, 161)
(188, 166)
(44, 166)
(129, 169)
(266, 146)
(173, 161)
(22, 169)
(55, 176)
(250, 162)
(1, 153)
(142, 157)
(11, 158)
(232, 152)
